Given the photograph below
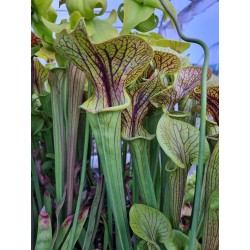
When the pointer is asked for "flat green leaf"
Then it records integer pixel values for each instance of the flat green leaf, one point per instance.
(110, 65)
(44, 233)
(140, 95)
(80, 223)
(87, 8)
(180, 141)
(149, 224)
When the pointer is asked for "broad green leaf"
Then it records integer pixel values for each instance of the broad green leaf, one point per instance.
(39, 75)
(86, 8)
(44, 232)
(210, 239)
(37, 123)
(81, 221)
(180, 241)
(149, 224)
(180, 141)
(140, 95)
(110, 65)
(212, 100)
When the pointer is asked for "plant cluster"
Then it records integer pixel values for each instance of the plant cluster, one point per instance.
(106, 95)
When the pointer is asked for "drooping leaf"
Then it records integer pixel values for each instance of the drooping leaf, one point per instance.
(140, 95)
(110, 65)
(149, 224)
(55, 27)
(80, 223)
(39, 75)
(87, 8)
(44, 232)
(41, 6)
(180, 141)
(212, 100)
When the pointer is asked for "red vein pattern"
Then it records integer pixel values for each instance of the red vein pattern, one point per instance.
(188, 78)
(140, 96)
(110, 65)
(180, 141)
(39, 75)
(212, 101)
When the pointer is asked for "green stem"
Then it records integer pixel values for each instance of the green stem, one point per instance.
(82, 179)
(106, 127)
(199, 175)
(142, 169)
(57, 82)
(36, 184)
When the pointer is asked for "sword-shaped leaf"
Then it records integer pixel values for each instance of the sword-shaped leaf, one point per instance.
(39, 75)
(44, 233)
(110, 65)
(140, 95)
(212, 100)
(180, 141)
(150, 224)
